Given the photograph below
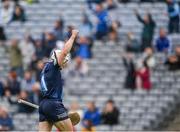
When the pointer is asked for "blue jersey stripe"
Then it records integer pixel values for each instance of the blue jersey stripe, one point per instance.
(43, 83)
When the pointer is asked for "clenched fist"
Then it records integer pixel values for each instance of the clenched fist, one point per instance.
(75, 32)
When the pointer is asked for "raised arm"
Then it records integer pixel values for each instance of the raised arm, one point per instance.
(67, 47)
(91, 7)
(139, 17)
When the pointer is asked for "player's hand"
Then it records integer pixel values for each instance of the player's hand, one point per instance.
(75, 32)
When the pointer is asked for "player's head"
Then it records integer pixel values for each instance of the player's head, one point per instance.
(54, 55)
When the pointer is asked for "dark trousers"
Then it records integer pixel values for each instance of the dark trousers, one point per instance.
(174, 25)
(146, 42)
(99, 35)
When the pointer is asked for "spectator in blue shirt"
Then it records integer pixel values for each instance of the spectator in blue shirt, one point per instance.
(6, 122)
(173, 12)
(92, 114)
(83, 52)
(162, 42)
(102, 22)
(84, 48)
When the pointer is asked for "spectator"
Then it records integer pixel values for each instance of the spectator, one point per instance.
(111, 4)
(2, 34)
(28, 81)
(35, 97)
(15, 57)
(85, 29)
(173, 61)
(1, 89)
(84, 48)
(6, 122)
(27, 50)
(13, 85)
(83, 53)
(148, 58)
(162, 42)
(173, 12)
(22, 108)
(132, 44)
(88, 126)
(113, 31)
(50, 42)
(19, 14)
(143, 76)
(39, 50)
(58, 30)
(74, 107)
(102, 20)
(91, 115)
(6, 11)
(110, 114)
(148, 30)
(131, 73)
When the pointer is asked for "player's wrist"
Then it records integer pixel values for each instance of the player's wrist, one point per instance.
(74, 36)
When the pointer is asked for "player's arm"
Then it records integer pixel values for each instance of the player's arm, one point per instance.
(67, 47)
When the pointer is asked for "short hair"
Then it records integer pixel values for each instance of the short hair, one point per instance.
(110, 101)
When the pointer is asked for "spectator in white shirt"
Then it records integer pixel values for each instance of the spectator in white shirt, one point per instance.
(6, 12)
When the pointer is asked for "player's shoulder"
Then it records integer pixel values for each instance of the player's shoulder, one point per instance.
(50, 65)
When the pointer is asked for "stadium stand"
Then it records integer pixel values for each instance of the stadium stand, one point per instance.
(140, 109)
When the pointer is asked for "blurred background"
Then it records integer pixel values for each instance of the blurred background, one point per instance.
(124, 72)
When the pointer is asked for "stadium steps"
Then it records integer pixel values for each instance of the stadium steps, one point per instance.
(4, 63)
(142, 116)
(140, 110)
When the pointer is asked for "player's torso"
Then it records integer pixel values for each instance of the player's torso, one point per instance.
(51, 82)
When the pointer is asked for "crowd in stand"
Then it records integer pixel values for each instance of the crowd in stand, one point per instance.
(27, 56)
(138, 74)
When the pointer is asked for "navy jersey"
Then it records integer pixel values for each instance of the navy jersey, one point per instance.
(51, 82)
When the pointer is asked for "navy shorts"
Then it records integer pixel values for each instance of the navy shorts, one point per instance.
(52, 111)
